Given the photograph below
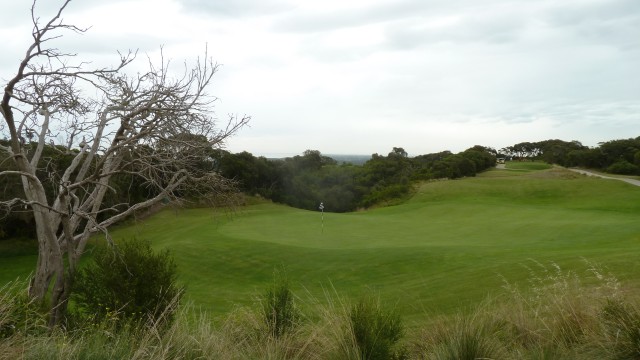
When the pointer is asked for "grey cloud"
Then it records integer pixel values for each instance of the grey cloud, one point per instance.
(236, 8)
(329, 20)
(569, 14)
(611, 23)
(609, 113)
(418, 32)
(407, 23)
(19, 12)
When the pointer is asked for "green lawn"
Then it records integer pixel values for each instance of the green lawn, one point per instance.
(449, 246)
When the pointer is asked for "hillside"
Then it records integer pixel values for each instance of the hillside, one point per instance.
(452, 244)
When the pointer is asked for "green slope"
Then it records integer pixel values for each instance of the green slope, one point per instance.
(447, 247)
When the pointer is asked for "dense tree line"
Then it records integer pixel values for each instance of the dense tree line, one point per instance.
(620, 156)
(305, 180)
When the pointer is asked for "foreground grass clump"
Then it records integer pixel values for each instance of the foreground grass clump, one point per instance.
(621, 322)
(279, 310)
(559, 315)
(375, 330)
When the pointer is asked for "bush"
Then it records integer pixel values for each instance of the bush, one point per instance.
(278, 307)
(623, 167)
(128, 282)
(375, 330)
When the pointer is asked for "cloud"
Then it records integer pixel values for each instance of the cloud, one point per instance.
(236, 8)
(610, 23)
(19, 12)
(363, 76)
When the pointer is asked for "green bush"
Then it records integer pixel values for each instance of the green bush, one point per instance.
(278, 307)
(376, 331)
(128, 282)
(623, 167)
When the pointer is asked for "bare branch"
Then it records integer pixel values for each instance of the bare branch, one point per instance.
(87, 159)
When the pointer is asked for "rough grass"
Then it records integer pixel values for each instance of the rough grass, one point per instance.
(557, 314)
(442, 250)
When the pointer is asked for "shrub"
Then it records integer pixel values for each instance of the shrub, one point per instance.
(623, 167)
(278, 307)
(128, 281)
(375, 330)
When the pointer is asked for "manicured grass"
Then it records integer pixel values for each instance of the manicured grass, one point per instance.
(447, 247)
(527, 165)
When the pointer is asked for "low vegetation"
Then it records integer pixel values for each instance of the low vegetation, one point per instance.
(559, 315)
(127, 282)
(376, 330)
(279, 310)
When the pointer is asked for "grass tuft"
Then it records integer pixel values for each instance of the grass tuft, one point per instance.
(278, 307)
(376, 330)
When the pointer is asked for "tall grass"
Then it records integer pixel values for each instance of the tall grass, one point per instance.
(279, 310)
(376, 330)
(557, 315)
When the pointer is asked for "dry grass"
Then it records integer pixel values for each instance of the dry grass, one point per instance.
(555, 316)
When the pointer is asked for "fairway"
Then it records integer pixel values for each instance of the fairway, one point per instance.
(446, 248)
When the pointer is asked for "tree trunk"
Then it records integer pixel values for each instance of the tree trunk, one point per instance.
(44, 273)
(59, 298)
(50, 263)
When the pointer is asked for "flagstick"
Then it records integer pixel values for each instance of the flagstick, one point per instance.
(321, 207)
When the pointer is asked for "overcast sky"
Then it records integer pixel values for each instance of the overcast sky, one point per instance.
(363, 76)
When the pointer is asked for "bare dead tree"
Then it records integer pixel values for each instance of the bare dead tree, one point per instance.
(150, 126)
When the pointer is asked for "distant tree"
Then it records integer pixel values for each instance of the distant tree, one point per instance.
(482, 157)
(556, 151)
(254, 175)
(590, 158)
(524, 150)
(385, 178)
(617, 150)
(398, 151)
